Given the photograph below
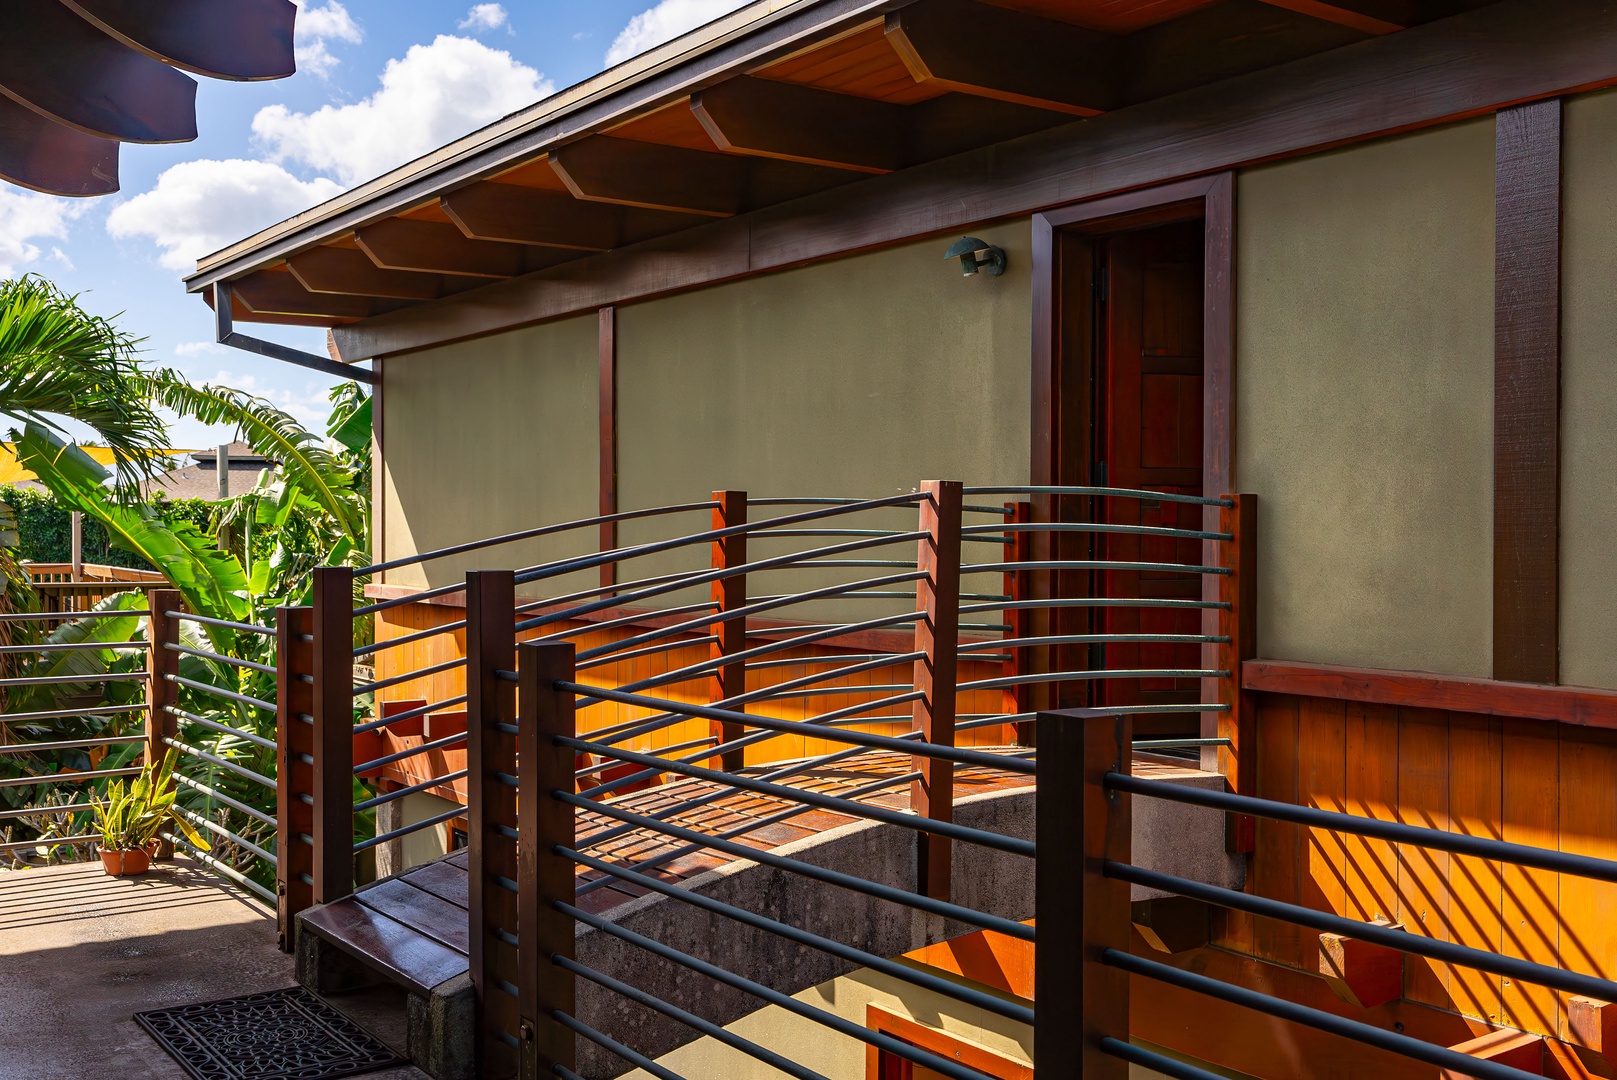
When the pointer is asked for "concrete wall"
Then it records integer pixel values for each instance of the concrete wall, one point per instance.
(1364, 399)
(488, 437)
(1589, 390)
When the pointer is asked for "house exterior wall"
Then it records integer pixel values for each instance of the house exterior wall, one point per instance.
(487, 437)
(1588, 616)
(1364, 399)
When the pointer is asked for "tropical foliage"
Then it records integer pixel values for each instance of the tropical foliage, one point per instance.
(132, 817)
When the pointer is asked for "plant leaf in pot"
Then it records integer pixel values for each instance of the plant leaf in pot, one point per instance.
(129, 819)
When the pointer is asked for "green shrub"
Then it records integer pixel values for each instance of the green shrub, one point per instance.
(46, 528)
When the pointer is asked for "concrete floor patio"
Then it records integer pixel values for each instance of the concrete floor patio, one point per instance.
(80, 953)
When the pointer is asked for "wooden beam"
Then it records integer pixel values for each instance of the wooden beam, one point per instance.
(1362, 974)
(1527, 393)
(1515, 1049)
(1368, 16)
(800, 123)
(607, 430)
(524, 215)
(59, 65)
(999, 53)
(276, 292)
(1417, 689)
(245, 39)
(43, 155)
(404, 244)
(350, 272)
(1510, 51)
(1172, 924)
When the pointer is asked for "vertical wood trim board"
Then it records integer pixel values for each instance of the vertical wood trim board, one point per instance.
(608, 435)
(1527, 392)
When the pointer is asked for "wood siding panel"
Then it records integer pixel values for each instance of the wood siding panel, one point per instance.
(1475, 809)
(1530, 899)
(1588, 826)
(1371, 866)
(1275, 865)
(1423, 894)
(1322, 783)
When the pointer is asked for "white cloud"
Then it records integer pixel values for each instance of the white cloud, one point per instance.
(316, 26)
(483, 17)
(665, 22)
(198, 348)
(198, 207)
(434, 94)
(26, 216)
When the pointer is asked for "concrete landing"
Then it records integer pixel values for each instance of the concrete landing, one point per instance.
(80, 953)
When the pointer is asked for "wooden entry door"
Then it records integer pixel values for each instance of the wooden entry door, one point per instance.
(1149, 436)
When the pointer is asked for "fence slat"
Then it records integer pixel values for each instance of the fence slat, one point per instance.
(294, 741)
(730, 680)
(492, 811)
(161, 691)
(937, 637)
(1019, 586)
(333, 733)
(1237, 760)
(546, 822)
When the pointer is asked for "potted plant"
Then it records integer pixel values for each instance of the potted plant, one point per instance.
(129, 819)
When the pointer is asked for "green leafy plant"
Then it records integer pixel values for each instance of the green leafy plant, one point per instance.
(131, 817)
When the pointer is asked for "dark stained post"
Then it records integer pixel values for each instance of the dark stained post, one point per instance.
(544, 876)
(1019, 587)
(937, 636)
(491, 752)
(1527, 393)
(333, 701)
(1080, 911)
(730, 594)
(1237, 622)
(294, 775)
(162, 692)
(607, 433)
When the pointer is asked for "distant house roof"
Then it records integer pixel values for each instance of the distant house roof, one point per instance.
(199, 478)
(12, 471)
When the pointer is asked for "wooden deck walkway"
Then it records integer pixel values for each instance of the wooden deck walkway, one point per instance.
(413, 927)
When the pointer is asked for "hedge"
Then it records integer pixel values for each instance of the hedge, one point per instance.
(46, 528)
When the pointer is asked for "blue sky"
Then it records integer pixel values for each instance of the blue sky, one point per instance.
(379, 83)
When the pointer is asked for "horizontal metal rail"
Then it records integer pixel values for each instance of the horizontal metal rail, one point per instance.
(1560, 862)
(223, 729)
(1104, 492)
(203, 654)
(409, 639)
(57, 714)
(909, 1052)
(789, 794)
(63, 841)
(225, 800)
(388, 759)
(223, 763)
(68, 744)
(709, 740)
(219, 867)
(1090, 639)
(409, 714)
(69, 646)
(228, 695)
(1444, 1058)
(219, 830)
(228, 624)
(70, 616)
(67, 777)
(1162, 744)
(59, 680)
(1093, 527)
(606, 1042)
(437, 819)
(1078, 676)
(666, 645)
(1091, 564)
(409, 676)
(1448, 952)
(37, 811)
(859, 885)
(626, 620)
(955, 754)
(399, 793)
(1150, 1059)
(1096, 601)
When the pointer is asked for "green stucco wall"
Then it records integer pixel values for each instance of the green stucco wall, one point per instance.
(488, 437)
(1589, 390)
(1364, 399)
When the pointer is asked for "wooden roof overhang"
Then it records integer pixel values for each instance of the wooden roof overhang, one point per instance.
(79, 77)
(779, 102)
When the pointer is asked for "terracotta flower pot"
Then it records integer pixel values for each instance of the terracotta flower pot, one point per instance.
(128, 862)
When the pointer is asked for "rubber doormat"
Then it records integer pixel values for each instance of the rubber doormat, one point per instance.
(279, 1035)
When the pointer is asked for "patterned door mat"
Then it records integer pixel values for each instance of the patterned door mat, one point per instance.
(279, 1035)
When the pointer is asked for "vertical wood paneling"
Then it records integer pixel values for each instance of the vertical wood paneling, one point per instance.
(1371, 866)
(1423, 799)
(1527, 391)
(1588, 826)
(1275, 863)
(1322, 783)
(1475, 809)
(1530, 902)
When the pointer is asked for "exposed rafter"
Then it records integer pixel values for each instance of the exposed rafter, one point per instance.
(276, 292)
(524, 215)
(437, 248)
(799, 123)
(350, 272)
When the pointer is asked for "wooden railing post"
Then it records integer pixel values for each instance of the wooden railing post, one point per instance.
(937, 637)
(493, 866)
(1019, 587)
(730, 594)
(162, 692)
(1080, 911)
(1237, 622)
(544, 876)
(294, 775)
(333, 711)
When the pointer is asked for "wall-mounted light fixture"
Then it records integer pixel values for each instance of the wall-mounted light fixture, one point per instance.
(975, 255)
